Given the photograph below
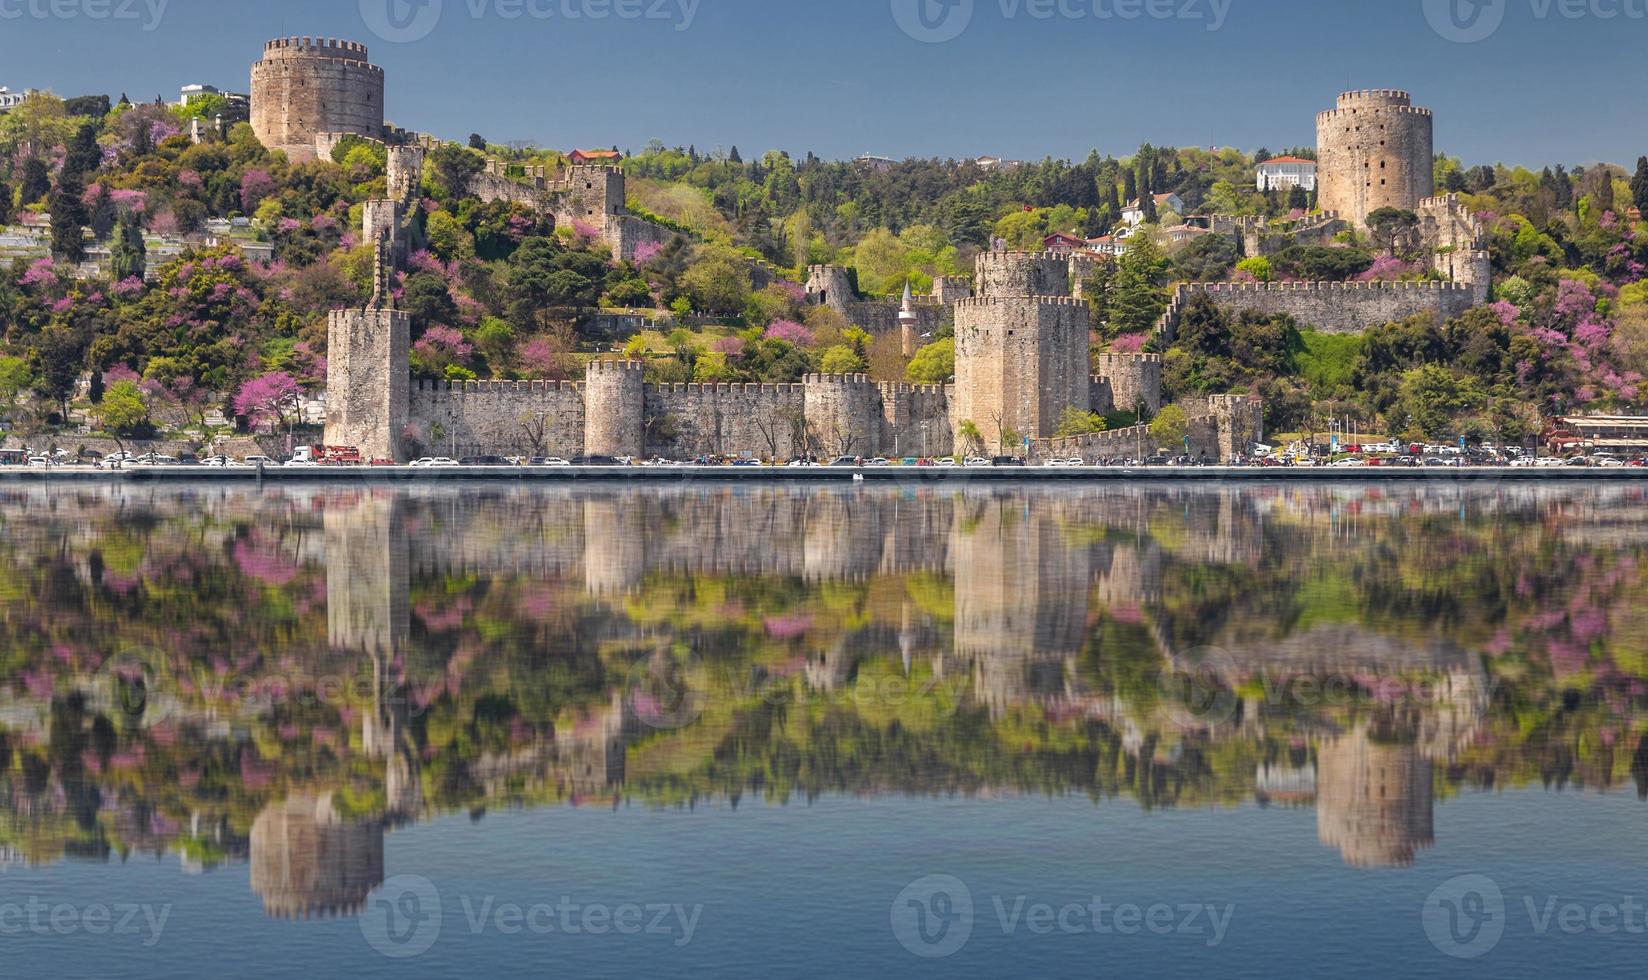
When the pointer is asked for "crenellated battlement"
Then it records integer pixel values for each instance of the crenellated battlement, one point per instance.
(1375, 96)
(1328, 115)
(1126, 359)
(426, 386)
(1325, 287)
(986, 302)
(615, 367)
(324, 46)
(838, 380)
(903, 389)
(700, 389)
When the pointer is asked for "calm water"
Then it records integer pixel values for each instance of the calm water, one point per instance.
(745, 732)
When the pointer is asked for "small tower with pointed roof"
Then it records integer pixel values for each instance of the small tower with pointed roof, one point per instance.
(907, 323)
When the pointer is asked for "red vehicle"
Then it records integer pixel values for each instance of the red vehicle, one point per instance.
(328, 455)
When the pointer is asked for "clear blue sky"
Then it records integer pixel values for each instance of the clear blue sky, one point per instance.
(840, 78)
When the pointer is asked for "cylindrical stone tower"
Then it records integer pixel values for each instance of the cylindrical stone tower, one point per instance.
(304, 86)
(1374, 151)
(614, 409)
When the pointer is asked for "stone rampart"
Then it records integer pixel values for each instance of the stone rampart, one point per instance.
(1331, 307)
(469, 418)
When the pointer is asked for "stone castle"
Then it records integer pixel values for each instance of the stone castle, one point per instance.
(1374, 150)
(1022, 360)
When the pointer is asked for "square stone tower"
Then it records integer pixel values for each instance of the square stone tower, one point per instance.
(1022, 350)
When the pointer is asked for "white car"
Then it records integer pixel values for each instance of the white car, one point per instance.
(39, 462)
(947, 461)
(553, 461)
(1349, 462)
(977, 461)
(260, 461)
(1607, 461)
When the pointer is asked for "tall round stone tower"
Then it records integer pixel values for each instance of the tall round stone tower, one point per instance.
(309, 85)
(1374, 150)
(614, 408)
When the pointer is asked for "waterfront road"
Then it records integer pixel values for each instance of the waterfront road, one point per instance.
(344, 475)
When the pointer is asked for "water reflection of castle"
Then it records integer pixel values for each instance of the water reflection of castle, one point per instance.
(1033, 575)
(1027, 577)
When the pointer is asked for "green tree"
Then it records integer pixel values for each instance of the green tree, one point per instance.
(934, 364)
(1075, 422)
(1136, 299)
(123, 413)
(718, 282)
(841, 360)
(1169, 428)
(15, 378)
(128, 255)
(36, 182)
(1435, 400)
(68, 211)
(1391, 226)
(1639, 185)
(59, 357)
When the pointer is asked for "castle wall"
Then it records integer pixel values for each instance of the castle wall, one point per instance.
(1374, 150)
(1339, 307)
(915, 420)
(467, 418)
(685, 421)
(1129, 381)
(307, 86)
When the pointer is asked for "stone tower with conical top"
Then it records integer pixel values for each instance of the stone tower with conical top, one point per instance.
(908, 321)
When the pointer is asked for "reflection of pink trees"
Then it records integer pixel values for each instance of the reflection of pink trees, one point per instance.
(261, 560)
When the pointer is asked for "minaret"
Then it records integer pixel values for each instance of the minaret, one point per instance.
(907, 323)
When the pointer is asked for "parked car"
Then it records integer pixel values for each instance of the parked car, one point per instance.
(844, 461)
(977, 461)
(1007, 461)
(548, 461)
(597, 461)
(484, 461)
